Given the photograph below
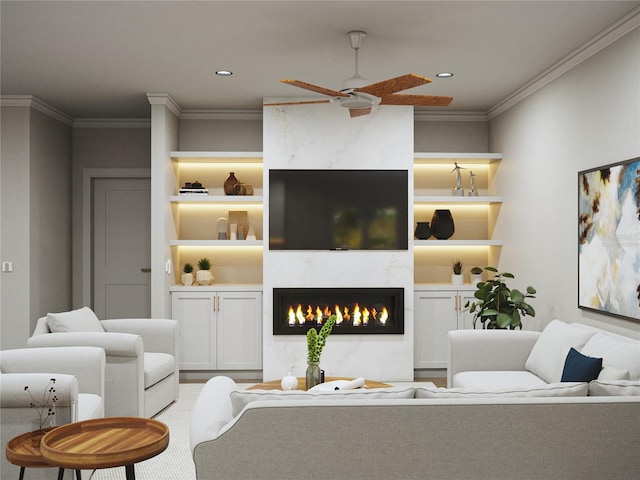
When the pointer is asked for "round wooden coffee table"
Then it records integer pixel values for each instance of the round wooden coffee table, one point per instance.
(104, 443)
(302, 384)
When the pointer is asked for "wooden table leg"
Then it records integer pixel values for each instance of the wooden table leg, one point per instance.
(130, 472)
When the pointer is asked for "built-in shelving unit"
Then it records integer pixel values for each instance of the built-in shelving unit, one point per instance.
(474, 216)
(195, 217)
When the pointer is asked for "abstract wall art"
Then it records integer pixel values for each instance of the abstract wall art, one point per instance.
(609, 239)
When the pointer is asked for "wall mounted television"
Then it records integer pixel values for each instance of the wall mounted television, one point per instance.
(338, 209)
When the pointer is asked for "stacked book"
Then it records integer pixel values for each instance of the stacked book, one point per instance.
(193, 191)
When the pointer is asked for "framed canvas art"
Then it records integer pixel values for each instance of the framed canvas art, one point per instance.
(609, 239)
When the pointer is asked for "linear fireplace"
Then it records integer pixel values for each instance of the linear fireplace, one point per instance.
(358, 310)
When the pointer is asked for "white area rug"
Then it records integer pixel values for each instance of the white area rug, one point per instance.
(175, 462)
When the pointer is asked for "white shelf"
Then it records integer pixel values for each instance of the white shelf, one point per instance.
(257, 199)
(457, 243)
(216, 243)
(452, 199)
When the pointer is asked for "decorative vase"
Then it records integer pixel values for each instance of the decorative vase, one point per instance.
(476, 278)
(204, 277)
(423, 231)
(230, 184)
(457, 279)
(313, 376)
(289, 382)
(187, 279)
(442, 226)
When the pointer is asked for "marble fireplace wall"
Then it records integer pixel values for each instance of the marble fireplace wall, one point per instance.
(325, 137)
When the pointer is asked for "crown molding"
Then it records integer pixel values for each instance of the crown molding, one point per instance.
(449, 116)
(112, 123)
(602, 40)
(166, 100)
(34, 102)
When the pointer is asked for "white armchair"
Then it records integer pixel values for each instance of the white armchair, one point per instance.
(80, 385)
(142, 370)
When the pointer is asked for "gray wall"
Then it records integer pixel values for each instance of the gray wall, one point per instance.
(101, 148)
(451, 136)
(588, 117)
(221, 135)
(36, 220)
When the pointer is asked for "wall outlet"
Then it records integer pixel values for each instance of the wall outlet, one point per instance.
(7, 266)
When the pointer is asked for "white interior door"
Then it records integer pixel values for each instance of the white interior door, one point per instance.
(122, 247)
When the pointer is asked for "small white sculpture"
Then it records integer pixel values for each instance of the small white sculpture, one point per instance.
(458, 191)
(473, 192)
(289, 382)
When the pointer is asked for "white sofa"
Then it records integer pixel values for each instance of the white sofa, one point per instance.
(501, 360)
(375, 434)
(142, 370)
(80, 387)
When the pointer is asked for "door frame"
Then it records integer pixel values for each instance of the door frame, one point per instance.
(88, 176)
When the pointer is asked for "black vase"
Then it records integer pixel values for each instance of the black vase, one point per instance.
(423, 231)
(442, 226)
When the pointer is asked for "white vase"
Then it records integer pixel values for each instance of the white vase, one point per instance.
(476, 278)
(456, 279)
(186, 279)
(204, 277)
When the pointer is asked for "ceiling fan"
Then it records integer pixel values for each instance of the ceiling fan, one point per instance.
(359, 96)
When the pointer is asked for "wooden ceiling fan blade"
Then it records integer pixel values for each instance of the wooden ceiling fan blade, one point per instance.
(392, 85)
(295, 103)
(416, 100)
(359, 112)
(314, 88)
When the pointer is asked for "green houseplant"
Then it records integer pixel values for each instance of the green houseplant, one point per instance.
(456, 276)
(499, 307)
(315, 344)
(187, 276)
(204, 275)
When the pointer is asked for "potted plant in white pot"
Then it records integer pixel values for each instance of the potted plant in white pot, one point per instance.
(187, 275)
(204, 275)
(498, 306)
(457, 277)
(476, 275)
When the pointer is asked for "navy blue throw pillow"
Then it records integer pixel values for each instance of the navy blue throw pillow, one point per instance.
(580, 368)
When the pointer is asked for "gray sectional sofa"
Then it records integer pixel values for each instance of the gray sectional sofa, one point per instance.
(503, 430)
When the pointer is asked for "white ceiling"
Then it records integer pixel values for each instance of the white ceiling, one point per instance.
(97, 59)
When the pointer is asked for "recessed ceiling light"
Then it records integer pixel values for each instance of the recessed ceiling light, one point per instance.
(224, 73)
(444, 75)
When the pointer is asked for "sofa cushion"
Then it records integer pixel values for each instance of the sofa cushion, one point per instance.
(610, 373)
(574, 389)
(157, 366)
(550, 350)
(614, 388)
(497, 380)
(616, 351)
(240, 399)
(580, 368)
(80, 320)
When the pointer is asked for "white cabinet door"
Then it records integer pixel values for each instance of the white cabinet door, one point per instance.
(435, 315)
(195, 312)
(239, 345)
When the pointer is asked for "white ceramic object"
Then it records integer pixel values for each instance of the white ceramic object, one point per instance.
(186, 279)
(456, 279)
(289, 382)
(204, 277)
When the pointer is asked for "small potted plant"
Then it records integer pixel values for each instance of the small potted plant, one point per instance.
(476, 275)
(204, 275)
(499, 307)
(187, 276)
(315, 344)
(456, 276)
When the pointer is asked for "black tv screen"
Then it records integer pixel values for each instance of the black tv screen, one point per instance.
(338, 209)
